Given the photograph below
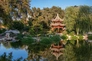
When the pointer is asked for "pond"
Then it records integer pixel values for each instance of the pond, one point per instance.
(41, 52)
(16, 53)
(23, 53)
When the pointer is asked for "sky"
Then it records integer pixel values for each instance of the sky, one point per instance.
(59, 3)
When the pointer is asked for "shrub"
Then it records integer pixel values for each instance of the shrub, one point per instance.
(56, 38)
(27, 40)
(74, 38)
(90, 37)
(46, 41)
(16, 25)
(2, 30)
(80, 37)
(64, 37)
(26, 28)
(19, 37)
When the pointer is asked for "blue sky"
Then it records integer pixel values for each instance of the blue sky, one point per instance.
(60, 3)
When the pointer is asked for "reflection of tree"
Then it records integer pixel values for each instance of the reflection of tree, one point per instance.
(83, 52)
(4, 57)
(43, 55)
(71, 53)
(34, 56)
(6, 44)
(9, 57)
(33, 51)
(40, 51)
(16, 44)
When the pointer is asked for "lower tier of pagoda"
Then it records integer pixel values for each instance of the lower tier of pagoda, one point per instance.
(57, 24)
(57, 27)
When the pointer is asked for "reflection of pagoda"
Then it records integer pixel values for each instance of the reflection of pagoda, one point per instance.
(57, 50)
(57, 24)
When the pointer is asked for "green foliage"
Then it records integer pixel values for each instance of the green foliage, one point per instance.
(13, 10)
(72, 33)
(89, 37)
(16, 44)
(75, 53)
(73, 37)
(9, 57)
(49, 40)
(26, 28)
(32, 31)
(77, 19)
(64, 37)
(83, 52)
(4, 57)
(56, 38)
(37, 47)
(27, 40)
(30, 22)
(17, 25)
(43, 18)
(19, 37)
(37, 29)
(80, 37)
(2, 30)
(69, 54)
(46, 41)
(4, 10)
(44, 25)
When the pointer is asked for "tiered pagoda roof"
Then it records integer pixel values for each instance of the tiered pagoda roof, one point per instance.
(57, 22)
(57, 19)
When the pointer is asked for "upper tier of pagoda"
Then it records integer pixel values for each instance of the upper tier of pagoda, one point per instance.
(57, 22)
(57, 19)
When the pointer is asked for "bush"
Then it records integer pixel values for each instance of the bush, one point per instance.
(16, 44)
(74, 38)
(19, 37)
(64, 37)
(89, 37)
(2, 30)
(26, 28)
(80, 37)
(49, 40)
(34, 30)
(56, 38)
(72, 33)
(46, 41)
(17, 25)
(27, 40)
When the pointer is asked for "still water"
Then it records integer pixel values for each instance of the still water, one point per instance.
(36, 52)
(23, 52)
(16, 53)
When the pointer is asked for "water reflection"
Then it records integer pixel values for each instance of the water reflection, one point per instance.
(16, 53)
(33, 52)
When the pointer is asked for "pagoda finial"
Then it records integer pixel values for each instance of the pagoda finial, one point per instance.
(57, 17)
(57, 14)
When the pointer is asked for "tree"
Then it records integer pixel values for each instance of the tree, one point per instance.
(77, 19)
(70, 17)
(4, 12)
(17, 25)
(84, 19)
(43, 17)
(14, 10)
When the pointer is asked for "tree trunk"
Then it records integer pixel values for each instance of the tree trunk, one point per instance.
(77, 42)
(77, 35)
(78, 31)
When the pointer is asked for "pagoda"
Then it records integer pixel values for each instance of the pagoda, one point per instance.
(58, 27)
(57, 24)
